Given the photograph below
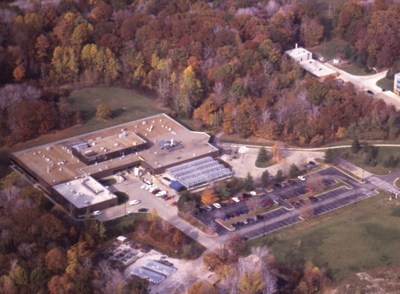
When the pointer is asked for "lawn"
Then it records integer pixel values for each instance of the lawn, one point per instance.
(329, 49)
(385, 83)
(383, 154)
(126, 105)
(355, 70)
(351, 239)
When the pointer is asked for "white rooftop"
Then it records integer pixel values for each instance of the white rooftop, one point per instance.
(84, 192)
(296, 52)
(317, 68)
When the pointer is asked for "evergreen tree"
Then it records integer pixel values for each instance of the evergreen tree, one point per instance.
(265, 181)
(355, 146)
(262, 157)
(248, 182)
(279, 176)
(293, 171)
(330, 156)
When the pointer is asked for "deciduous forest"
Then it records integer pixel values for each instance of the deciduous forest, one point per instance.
(220, 62)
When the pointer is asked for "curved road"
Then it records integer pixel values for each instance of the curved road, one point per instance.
(368, 82)
(304, 149)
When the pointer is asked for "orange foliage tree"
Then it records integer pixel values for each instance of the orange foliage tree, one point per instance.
(208, 196)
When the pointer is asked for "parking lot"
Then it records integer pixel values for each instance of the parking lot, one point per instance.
(137, 189)
(250, 225)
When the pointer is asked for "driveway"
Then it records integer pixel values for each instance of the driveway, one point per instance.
(368, 82)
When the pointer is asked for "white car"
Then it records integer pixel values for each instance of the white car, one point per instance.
(134, 202)
(152, 188)
(235, 199)
(301, 178)
(217, 205)
(97, 213)
(253, 193)
(161, 193)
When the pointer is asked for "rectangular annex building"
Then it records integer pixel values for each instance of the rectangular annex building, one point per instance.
(76, 164)
(306, 61)
(199, 172)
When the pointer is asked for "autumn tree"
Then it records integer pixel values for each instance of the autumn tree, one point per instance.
(108, 280)
(314, 278)
(55, 260)
(19, 73)
(103, 111)
(201, 287)
(276, 152)
(311, 31)
(208, 196)
(252, 274)
(189, 93)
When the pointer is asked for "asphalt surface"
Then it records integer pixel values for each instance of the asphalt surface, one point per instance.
(288, 214)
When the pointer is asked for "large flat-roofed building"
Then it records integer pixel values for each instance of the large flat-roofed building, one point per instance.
(396, 84)
(155, 143)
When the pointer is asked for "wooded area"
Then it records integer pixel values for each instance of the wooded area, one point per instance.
(221, 62)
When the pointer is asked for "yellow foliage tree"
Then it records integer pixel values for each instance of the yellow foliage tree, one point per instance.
(251, 282)
(208, 196)
(201, 287)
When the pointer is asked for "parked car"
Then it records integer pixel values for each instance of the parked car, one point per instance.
(97, 213)
(143, 209)
(175, 203)
(161, 193)
(235, 199)
(208, 208)
(134, 202)
(217, 205)
(168, 197)
(301, 178)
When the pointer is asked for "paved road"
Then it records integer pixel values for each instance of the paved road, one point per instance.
(368, 82)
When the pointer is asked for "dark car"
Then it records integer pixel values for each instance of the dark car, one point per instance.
(143, 209)
(370, 92)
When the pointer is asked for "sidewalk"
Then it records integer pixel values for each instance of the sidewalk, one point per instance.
(353, 169)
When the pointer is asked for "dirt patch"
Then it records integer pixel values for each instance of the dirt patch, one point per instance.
(383, 280)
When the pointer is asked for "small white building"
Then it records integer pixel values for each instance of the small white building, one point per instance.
(299, 54)
(396, 84)
(306, 61)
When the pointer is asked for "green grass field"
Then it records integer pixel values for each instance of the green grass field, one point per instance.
(329, 49)
(383, 154)
(351, 239)
(355, 70)
(126, 105)
(385, 83)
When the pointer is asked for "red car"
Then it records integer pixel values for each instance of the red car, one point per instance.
(169, 197)
(174, 203)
